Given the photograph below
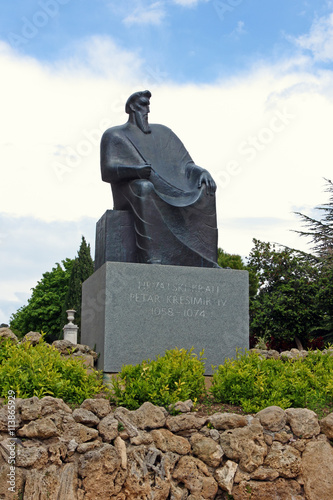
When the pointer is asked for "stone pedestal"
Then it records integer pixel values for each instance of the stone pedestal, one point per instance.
(133, 312)
(115, 238)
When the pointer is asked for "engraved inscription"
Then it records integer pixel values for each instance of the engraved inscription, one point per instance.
(175, 300)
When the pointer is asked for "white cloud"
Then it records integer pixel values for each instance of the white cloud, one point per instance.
(238, 31)
(188, 3)
(265, 136)
(320, 39)
(144, 14)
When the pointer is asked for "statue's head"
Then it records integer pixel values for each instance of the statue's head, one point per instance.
(137, 106)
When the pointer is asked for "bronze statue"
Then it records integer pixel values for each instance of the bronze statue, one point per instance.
(172, 199)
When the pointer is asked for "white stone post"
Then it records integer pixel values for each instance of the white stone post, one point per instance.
(70, 330)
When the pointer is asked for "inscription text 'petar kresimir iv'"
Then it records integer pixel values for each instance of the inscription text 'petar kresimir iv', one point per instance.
(173, 300)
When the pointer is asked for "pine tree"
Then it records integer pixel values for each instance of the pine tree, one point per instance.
(83, 267)
(321, 231)
(321, 234)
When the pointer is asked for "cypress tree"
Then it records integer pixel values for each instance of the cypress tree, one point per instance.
(83, 267)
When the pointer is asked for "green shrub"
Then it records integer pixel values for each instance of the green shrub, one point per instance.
(41, 371)
(255, 383)
(176, 376)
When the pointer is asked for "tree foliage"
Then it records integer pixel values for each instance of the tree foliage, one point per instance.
(295, 297)
(320, 231)
(82, 268)
(286, 306)
(43, 311)
(58, 290)
(234, 261)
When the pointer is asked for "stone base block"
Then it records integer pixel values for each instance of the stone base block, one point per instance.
(133, 312)
(115, 238)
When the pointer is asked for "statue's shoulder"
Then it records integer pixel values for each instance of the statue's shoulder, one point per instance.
(163, 131)
(116, 132)
(157, 127)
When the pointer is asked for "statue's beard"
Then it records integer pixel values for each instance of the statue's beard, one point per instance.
(142, 122)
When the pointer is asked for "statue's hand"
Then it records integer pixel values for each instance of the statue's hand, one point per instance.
(144, 171)
(207, 179)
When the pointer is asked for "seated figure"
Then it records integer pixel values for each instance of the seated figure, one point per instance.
(172, 199)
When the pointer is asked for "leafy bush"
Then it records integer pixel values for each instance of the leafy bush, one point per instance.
(41, 371)
(178, 375)
(256, 383)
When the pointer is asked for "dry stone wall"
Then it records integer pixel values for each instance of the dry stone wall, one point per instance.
(94, 452)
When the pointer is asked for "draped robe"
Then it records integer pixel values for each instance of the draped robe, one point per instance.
(174, 219)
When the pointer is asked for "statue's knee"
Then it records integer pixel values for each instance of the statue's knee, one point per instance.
(142, 187)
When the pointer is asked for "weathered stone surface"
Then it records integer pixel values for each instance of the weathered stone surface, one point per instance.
(6, 333)
(88, 359)
(53, 405)
(4, 419)
(31, 408)
(145, 465)
(178, 492)
(7, 450)
(227, 421)
(33, 337)
(182, 406)
(281, 489)
(166, 441)
(326, 426)
(283, 436)
(120, 447)
(148, 416)
(101, 473)
(72, 447)
(208, 450)
(143, 437)
(194, 474)
(57, 451)
(125, 416)
(273, 354)
(43, 428)
(299, 444)
(241, 476)
(52, 483)
(101, 407)
(268, 438)
(64, 346)
(285, 459)
(245, 444)
(85, 349)
(272, 418)
(150, 472)
(90, 445)
(303, 422)
(185, 422)
(85, 417)
(264, 474)
(163, 465)
(317, 470)
(79, 432)
(4, 485)
(31, 455)
(214, 434)
(225, 476)
(108, 428)
(293, 354)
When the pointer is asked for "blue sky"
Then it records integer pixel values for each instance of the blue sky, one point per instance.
(247, 86)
